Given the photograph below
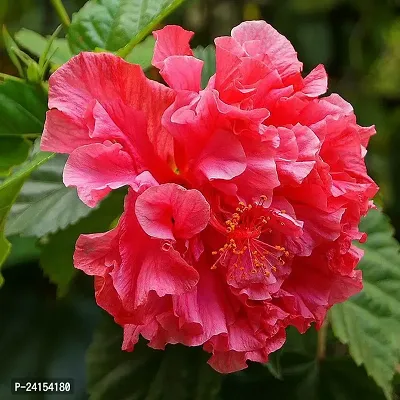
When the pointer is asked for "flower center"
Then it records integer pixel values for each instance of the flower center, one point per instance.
(243, 250)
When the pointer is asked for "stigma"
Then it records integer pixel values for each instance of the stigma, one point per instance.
(246, 252)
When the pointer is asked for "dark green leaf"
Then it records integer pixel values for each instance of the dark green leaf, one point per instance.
(302, 376)
(176, 373)
(45, 205)
(369, 322)
(23, 250)
(13, 151)
(335, 379)
(207, 54)
(112, 24)
(22, 108)
(58, 249)
(274, 365)
(42, 337)
(22, 112)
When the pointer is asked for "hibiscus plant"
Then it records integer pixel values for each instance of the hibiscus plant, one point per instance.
(217, 198)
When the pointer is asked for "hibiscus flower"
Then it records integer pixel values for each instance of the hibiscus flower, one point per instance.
(244, 197)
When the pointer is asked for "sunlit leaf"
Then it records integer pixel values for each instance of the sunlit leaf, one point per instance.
(112, 24)
(45, 205)
(58, 249)
(142, 54)
(370, 321)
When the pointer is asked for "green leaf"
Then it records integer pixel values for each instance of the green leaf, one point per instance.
(274, 365)
(9, 191)
(331, 379)
(176, 373)
(45, 205)
(112, 24)
(369, 321)
(58, 249)
(23, 250)
(142, 54)
(10, 47)
(207, 54)
(13, 151)
(36, 44)
(22, 112)
(303, 376)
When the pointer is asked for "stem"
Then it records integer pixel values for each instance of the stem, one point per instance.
(6, 77)
(124, 51)
(61, 12)
(321, 344)
(23, 135)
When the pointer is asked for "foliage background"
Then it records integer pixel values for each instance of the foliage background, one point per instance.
(46, 331)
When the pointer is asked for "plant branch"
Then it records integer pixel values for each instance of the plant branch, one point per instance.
(22, 135)
(6, 77)
(321, 343)
(61, 12)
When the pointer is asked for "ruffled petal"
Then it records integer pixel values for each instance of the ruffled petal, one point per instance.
(174, 58)
(100, 77)
(170, 211)
(222, 157)
(172, 40)
(309, 296)
(261, 40)
(151, 265)
(297, 154)
(260, 176)
(316, 82)
(62, 134)
(98, 168)
(97, 252)
(132, 280)
(183, 73)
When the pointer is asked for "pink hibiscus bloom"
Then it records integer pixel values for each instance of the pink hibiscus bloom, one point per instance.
(244, 197)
